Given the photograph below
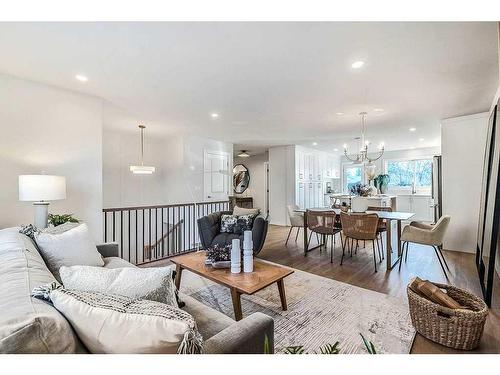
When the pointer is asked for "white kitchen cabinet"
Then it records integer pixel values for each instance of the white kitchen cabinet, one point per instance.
(312, 168)
(420, 205)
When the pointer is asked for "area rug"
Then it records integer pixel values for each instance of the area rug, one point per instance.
(320, 311)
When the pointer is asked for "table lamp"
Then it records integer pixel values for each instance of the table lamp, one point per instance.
(40, 189)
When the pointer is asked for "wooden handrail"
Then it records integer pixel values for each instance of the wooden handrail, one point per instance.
(116, 209)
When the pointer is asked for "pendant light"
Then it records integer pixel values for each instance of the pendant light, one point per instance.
(142, 169)
(362, 155)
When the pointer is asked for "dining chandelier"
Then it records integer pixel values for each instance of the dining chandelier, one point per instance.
(362, 155)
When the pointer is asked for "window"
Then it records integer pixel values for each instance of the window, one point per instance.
(409, 175)
(352, 175)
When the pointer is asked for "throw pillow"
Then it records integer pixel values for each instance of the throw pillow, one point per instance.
(71, 248)
(154, 284)
(238, 211)
(227, 223)
(116, 324)
(243, 223)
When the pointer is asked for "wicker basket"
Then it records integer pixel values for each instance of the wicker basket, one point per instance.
(455, 328)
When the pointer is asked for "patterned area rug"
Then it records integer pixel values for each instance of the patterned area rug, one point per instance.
(320, 311)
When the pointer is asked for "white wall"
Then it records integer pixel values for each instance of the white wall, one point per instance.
(55, 131)
(462, 147)
(256, 189)
(281, 183)
(122, 188)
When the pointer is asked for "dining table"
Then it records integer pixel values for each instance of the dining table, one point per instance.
(389, 216)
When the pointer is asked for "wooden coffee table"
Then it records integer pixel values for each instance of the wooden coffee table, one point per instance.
(263, 275)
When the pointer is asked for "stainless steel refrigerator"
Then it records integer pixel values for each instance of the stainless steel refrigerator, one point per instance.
(437, 187)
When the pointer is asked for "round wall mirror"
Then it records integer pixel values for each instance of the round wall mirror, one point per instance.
(241, 178)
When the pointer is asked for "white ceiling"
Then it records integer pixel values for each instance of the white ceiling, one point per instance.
(270, 83)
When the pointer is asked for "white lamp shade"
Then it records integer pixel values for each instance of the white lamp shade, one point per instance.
(37, 188)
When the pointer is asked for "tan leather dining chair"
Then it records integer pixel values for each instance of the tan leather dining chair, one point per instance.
(357, 227)
(323, 223)
(426, 234)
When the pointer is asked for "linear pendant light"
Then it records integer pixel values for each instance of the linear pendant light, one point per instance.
(142, 169)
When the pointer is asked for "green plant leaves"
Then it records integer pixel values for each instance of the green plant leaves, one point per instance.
(56, 220)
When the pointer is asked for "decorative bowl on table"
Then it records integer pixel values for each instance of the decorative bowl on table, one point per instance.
(219, 256)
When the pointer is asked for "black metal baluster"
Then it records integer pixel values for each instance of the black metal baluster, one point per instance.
(114, 226)
(168, 231)
(105, 227)
(143, 229)
(162, 238)
(121, 234)
(156, 233)
(136, 240)
(128, 232)
(150, 249)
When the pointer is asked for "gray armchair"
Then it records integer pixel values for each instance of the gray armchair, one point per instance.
(209, 231)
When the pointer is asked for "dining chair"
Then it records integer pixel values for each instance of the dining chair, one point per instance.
(323, 223)
(296, 220)
(382, 226)
(426, 234)
(359, 226)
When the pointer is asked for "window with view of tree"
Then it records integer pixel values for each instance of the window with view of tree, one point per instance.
(409, 174)
(352, 176)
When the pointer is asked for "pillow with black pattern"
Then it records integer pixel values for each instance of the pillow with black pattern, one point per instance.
(29, 230)
(227, 223)
(243, 223)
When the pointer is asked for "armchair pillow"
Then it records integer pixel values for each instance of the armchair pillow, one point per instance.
(239, 211)
(243, 223)
(70, 248)
(154, 284)
(227, 223)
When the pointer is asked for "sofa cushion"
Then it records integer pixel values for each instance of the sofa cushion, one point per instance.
(209, 321)
(153, 284)
(109, 323)
(28, 325)
(115, 262)
(70, 248)
(223, 239)
(239, 211)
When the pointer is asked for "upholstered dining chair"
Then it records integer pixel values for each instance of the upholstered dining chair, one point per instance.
(296, 220)
(426, 234)
(323, 223)
(357, 227)
(382, 226)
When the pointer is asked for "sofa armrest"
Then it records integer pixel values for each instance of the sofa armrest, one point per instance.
(209, 227)
(247, 336)
(109, 249)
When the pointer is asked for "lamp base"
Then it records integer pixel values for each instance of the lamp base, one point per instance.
(41, 214)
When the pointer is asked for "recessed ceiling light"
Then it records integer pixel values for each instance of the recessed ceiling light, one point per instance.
(357, 64)
(214, 115)
(335, 149)
(315, 143)
(421, 139)
(378, 110)
(340, 113)
(81, 78)
(412, 129)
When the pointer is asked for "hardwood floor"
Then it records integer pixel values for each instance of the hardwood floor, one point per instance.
(359, 271)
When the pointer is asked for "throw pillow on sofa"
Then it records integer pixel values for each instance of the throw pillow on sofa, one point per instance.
(108, 323)
(243, 223)
(70, 248)
(154, 284)
(227, 223)
(239, 211)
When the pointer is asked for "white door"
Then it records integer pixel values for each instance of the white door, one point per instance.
(216, 175)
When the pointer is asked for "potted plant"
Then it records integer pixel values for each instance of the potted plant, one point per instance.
(381, 182)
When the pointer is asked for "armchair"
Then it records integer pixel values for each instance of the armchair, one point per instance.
(209, 231)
